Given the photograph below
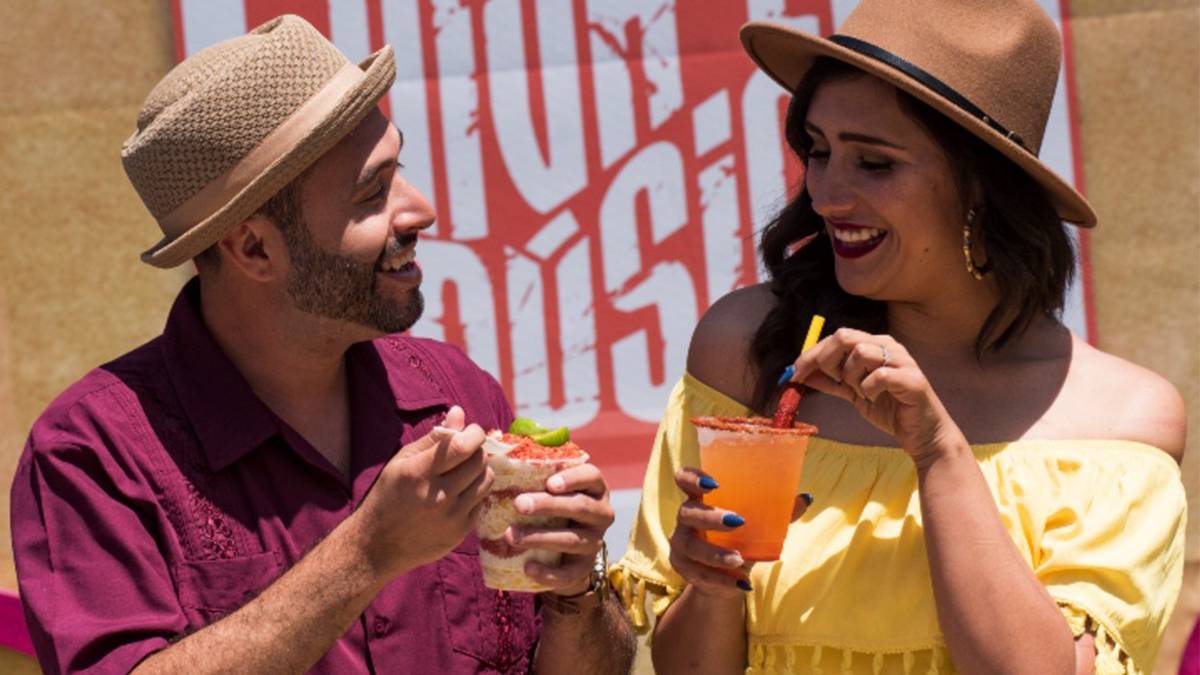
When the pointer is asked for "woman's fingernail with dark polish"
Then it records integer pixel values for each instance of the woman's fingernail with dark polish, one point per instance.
(787, 375)
(744, 585)
(708, 483)
(807, 497)
(732, 520)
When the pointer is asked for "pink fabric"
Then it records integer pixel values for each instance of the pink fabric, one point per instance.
(1191, 653)
(14, 634)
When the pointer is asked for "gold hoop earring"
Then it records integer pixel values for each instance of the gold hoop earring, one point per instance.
(974, 270)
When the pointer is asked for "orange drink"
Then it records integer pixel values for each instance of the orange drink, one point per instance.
(757, 469)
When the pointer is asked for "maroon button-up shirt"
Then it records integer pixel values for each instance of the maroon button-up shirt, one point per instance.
(159, 494)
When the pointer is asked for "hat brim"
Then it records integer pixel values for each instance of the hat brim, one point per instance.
(379, 71)
(786, 54)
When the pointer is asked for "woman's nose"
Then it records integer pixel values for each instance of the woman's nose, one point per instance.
(832, 196)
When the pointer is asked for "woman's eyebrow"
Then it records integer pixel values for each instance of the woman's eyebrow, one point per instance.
(853, 137)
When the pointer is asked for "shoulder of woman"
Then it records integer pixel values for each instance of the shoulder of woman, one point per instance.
(1136, 403)
(719, 354)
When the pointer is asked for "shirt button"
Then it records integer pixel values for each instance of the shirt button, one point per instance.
(381, 626)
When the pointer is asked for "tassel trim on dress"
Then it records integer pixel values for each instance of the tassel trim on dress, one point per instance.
(773, 658)
(632, 589)
(1111, 657)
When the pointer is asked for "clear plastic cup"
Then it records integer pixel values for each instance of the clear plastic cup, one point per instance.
(757, 469)
(504, 566)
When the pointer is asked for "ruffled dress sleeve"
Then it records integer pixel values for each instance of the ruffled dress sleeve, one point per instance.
(1110, 549)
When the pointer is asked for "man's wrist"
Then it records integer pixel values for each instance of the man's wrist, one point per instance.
(573, 591)
(592, 593)
(381, 566)
(572, 605)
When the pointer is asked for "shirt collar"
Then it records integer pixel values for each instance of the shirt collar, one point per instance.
(229, 418)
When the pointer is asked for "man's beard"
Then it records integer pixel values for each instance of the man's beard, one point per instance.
(339, 287)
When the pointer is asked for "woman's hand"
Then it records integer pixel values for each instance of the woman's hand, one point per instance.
(878, 376)
(711, 570)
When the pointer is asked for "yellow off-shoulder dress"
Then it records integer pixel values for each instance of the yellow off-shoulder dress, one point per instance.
(1101, 523)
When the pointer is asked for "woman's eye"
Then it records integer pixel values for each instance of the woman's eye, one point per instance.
(818, 154)
(382, 191)
(875, 164)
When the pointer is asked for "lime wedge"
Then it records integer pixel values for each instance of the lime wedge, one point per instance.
(553, 439)
(523, 426)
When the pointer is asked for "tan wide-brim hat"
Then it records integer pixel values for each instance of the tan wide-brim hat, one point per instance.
(989, 65)
(236, 122)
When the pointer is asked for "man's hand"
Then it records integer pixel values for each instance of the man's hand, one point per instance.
(420, 508)
(426, 497)
(580, 495)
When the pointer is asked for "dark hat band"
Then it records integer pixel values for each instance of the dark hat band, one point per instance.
(914, 71)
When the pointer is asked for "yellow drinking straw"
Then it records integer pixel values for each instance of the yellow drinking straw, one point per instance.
(789, 400)
(814, 332)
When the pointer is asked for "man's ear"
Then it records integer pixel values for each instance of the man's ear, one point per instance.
(255, 247)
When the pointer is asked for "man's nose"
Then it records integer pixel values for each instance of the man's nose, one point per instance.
(413, 212)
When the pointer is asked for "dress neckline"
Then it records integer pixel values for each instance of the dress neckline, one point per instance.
(979, 449)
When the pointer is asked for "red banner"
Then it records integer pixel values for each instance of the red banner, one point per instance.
(600, 170)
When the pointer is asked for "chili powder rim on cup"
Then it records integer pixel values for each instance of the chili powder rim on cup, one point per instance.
(760, 425)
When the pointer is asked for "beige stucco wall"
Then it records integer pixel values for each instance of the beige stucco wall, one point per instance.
(1137, 66)
(1138, 76)
(72, 293)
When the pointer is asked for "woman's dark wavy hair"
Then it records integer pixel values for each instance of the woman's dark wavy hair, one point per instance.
(1028, 249)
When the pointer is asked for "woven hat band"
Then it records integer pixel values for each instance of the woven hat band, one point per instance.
(224, 188)
(917, 73)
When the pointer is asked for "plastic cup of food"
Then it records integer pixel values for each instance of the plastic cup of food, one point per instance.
(520, 465)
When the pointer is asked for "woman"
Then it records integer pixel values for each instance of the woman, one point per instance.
(992, 494)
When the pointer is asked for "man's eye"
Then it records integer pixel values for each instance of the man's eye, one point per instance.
(818, 154)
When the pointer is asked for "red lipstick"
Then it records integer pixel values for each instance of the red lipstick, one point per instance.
(856, 240)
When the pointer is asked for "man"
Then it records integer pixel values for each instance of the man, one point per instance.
(279, 483)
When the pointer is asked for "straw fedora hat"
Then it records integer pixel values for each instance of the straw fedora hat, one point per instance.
(989, 65)
(234, 123)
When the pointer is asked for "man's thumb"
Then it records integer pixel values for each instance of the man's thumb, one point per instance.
(455, 419)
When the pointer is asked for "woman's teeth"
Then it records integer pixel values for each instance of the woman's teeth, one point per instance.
(395, 262)
(856, 234)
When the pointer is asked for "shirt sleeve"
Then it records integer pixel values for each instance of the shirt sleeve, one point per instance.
(644, 576)
(1111, 554)
(97, 593)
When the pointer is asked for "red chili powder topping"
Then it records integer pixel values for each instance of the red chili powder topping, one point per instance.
(499, 548)
(757, 425)
(510, 494)
(789, 402)
(527, 449)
